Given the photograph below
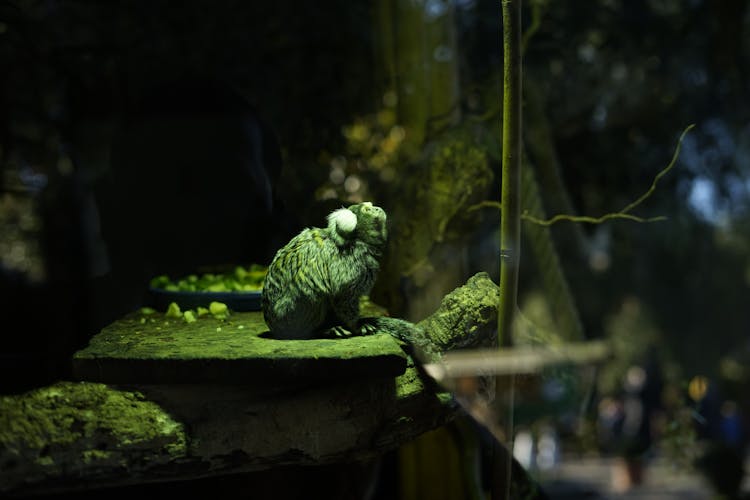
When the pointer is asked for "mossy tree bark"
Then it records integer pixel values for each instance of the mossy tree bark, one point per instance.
(417, 59)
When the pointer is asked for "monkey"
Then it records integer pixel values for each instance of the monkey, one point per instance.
(314, 283)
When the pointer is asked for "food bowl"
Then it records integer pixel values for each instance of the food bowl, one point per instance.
(240, 289)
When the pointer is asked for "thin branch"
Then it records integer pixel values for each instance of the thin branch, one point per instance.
(660, 174)
(622, 214)
(589, 220)
(485, 204)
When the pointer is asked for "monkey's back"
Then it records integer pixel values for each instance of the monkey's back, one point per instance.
(297, 286)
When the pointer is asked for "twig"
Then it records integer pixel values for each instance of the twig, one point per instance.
(622, 214)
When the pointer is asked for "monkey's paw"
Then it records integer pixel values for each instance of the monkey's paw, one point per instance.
(367, 328)
(338, 332)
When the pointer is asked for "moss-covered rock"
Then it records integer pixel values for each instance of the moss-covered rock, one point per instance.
(148, 350)
(81, 435)
(51, 431)
(467, 317)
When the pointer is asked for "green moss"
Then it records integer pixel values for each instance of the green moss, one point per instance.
(467, 316)
(207, 338)
(369, 308)
(409, 384)
(86, 418)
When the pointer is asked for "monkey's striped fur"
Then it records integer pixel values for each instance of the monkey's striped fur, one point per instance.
(314, 283)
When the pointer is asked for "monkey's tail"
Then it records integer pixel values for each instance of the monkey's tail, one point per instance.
(407, 333)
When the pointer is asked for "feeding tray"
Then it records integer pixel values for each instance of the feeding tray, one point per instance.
(239, 288)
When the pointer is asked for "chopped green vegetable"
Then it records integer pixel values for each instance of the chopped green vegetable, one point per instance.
(219, 310)
(217, 307)
(202, 311)
(160, 281)
(173, 311)
(147, 310)
(189, 316)
(241, 279)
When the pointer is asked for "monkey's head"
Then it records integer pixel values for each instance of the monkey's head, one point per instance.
(363, 221)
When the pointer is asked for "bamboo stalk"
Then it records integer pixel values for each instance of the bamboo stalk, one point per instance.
(510, 193)
(510, 225)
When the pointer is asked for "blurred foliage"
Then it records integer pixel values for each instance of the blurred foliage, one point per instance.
(678, 438)
(19, 243)
(371, 157)
(633, 337)
(621, 79)
(535, 324)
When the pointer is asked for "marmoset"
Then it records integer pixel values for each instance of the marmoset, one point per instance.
(314, 283)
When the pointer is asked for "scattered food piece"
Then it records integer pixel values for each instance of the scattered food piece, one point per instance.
(219, 310)
(173, 310)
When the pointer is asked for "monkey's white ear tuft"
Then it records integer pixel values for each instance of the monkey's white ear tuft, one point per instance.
(342, 220)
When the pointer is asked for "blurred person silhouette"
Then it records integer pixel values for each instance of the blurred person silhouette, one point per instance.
(720, 432)
(642, 388)
(610, 416)
(732, 425)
